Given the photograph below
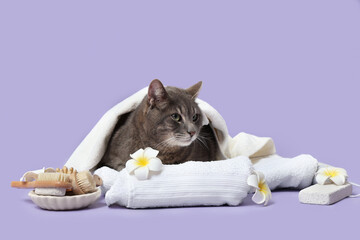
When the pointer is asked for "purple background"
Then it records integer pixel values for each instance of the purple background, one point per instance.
(285, 69)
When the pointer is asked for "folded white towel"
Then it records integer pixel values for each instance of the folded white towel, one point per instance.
(188, 184)
(297, 172)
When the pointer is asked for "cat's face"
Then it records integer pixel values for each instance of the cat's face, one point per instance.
(173, 117)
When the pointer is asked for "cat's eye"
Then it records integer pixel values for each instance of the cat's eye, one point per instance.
(176, 117)
(195, 117)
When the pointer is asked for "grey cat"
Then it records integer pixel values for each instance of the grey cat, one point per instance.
(168, 120)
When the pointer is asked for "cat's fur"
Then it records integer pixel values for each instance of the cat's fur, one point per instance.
(153, 124)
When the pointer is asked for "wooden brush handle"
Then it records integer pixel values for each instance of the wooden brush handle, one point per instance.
(41, 184)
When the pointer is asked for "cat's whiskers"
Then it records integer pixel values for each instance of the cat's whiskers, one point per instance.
(179, 135)
(202, 141)
(178, 138)
(165, 143)
(181, 138)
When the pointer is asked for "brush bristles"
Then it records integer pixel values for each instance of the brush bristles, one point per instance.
(86, 182)
(56, 177)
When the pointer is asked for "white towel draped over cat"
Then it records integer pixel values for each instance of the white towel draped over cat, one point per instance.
(90, 151)
(280, 172)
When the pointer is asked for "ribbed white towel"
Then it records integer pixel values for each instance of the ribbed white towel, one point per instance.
(188, 184)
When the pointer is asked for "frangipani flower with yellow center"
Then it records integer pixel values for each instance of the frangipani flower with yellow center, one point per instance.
(330, 175)
(142, 162)
(262, 191)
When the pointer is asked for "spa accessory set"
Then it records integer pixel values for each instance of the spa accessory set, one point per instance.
(250, 166)
(61, 189)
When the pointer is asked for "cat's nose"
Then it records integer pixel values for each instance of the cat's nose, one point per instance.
(192, 133)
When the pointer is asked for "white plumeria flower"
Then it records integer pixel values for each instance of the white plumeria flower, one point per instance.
(331, 175)
(142, 162)
(262, 191)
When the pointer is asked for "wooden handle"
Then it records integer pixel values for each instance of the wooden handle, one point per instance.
(41, 184)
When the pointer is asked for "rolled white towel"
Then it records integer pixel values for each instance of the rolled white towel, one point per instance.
(189, 184)
(297, 172)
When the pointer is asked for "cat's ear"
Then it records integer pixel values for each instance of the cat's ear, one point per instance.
(194, 90)
(156, 93)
